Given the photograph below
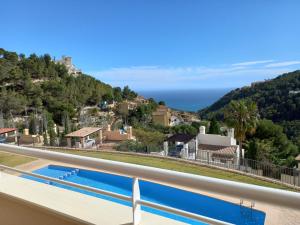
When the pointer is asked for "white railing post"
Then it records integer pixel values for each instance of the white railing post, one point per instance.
(166, 148)
(136, 207)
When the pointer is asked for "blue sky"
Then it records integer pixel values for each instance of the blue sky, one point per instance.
(160, 44)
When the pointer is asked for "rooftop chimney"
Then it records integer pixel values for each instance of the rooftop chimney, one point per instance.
(202, 129)
(26, 131)
(108, 127)
(129, 131)
(230, 132)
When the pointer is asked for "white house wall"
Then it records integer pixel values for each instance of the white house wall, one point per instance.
(213, 139)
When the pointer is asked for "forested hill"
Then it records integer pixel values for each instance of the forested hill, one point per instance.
(277, 99)
(38, 83)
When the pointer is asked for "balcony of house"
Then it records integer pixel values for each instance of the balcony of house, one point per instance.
(61, 188)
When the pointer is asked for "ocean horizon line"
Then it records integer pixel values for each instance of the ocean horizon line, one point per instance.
(187, 89)
(186, 100)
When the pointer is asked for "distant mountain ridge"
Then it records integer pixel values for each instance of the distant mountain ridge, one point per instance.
(277, 99)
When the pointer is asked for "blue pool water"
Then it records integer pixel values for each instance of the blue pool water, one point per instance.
(165, 195)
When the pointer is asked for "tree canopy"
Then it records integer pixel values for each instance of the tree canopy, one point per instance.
(214, 127)
(38, 82)
(270, 144)
(277, 99)
(242, 116)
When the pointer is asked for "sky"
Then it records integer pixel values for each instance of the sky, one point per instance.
(155, 45)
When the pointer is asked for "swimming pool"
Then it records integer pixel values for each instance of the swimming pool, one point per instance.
(165, 195)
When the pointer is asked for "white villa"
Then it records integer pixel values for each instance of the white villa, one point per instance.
(218, 148)
(205, 147)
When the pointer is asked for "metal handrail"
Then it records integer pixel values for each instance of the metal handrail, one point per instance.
(172, 178)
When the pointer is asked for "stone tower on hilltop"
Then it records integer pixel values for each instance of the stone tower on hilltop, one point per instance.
(67, 62)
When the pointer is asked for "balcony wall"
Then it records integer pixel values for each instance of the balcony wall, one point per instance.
(16, 211)
(27, 202)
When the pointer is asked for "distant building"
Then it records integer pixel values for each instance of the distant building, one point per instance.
(162, 116)
(182, 145)
(27, 138)
(125, 106)
(175, 120)
(118, 135)
(67, 62)
(8, 135)
(82, 137)
(141, 100)
(294, 92)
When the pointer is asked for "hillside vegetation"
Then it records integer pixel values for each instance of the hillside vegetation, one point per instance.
(277, 100)
(37, 83)
(273, 98)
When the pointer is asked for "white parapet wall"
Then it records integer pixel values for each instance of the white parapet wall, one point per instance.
(61, 206)
(213, 139)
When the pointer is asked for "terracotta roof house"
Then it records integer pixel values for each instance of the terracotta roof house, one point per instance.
(126, 106)
(162, 116)
(9, 135)
(83, 132)
(203, 147)
(217, 148)
(7, 130)
(83, 136)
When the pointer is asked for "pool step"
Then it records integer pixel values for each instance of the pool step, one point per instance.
(68, 174)
(65, 176)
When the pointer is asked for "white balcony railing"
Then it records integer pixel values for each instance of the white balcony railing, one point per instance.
(171, 178)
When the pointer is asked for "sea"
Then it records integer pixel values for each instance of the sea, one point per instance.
(186, 100)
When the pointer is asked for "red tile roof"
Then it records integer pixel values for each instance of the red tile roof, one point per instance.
(225, 152)
(207, 147)
(219, 151)
(7, 130)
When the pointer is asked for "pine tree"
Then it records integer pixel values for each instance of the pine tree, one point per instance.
(214, 127)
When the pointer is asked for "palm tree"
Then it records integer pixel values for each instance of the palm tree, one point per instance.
(242, 116)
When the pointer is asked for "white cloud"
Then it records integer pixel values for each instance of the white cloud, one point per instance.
(251, 63)
(157, 77)
(281, 64)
